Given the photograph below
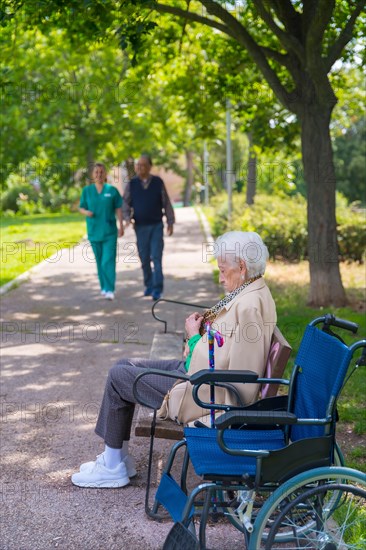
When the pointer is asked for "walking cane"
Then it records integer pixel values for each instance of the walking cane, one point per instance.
(212, 336)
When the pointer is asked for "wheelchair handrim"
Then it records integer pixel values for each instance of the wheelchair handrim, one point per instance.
(339, 474)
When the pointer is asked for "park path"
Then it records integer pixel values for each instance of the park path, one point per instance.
(59, 338)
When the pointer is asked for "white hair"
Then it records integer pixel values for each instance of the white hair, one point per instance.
(233, 246)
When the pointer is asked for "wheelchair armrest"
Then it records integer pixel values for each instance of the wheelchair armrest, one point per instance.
(278, 381)
(205, 376)
(222, 378)
(255, 418)
(275, 403)
(168, 374)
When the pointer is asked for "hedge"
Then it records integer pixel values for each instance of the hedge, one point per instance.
(281, 222)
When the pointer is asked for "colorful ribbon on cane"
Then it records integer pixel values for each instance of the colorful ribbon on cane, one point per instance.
(212, 336)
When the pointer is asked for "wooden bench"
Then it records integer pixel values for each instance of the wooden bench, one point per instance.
(164, 346)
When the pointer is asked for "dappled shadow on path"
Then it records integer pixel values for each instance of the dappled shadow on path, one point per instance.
(59, 339)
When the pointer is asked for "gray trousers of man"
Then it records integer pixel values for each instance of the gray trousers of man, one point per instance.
(116, 413)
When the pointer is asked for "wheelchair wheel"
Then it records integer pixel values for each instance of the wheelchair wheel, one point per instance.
(333, 528)
(236, 497)
(303, 522)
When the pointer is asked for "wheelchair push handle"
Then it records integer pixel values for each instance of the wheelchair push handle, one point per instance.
(330, 320)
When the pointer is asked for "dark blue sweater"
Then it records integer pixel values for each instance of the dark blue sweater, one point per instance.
(147, 203)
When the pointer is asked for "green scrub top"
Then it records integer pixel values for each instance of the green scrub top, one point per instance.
(103, 205)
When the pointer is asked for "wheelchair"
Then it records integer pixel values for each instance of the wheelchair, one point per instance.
(273, 468)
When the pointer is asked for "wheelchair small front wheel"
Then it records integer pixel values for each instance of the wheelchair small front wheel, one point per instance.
(289, 499)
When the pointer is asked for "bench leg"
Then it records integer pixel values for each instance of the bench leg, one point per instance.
(183, 477)
(153, 511)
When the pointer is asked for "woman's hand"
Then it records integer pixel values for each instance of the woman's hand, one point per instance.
(85, 212)
(193, 323)
(121, 231)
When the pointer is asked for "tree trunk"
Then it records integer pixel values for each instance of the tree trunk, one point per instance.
(252, 172)
(325, 281)
(90, 163)
(189, 180)
(130, 167)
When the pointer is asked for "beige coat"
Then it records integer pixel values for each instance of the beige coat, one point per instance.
(247, 324)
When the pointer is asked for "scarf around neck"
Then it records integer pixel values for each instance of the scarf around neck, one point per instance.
(210, 315)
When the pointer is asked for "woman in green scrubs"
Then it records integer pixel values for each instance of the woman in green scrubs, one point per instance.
(101, 203)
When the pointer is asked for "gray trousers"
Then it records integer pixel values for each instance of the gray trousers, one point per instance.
(118, 405)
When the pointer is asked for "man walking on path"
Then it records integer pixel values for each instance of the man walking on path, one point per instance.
(146, 201)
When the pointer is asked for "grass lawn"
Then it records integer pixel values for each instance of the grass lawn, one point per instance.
(27, 240)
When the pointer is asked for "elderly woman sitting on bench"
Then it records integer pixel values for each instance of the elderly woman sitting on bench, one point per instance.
(246, 316)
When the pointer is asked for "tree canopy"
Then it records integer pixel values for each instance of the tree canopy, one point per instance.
(295, 48)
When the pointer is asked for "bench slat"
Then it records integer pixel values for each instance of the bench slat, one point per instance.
(165, 429)
(164, 346)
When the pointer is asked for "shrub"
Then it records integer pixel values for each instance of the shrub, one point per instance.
(23, 199)
(10, 199)
(27, 207)
(351, 233)
(282, 223)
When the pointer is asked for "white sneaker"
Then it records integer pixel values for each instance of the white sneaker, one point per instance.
(99, 476)
(103, 292)
(130, 465)
(128, 460)
(109, 295)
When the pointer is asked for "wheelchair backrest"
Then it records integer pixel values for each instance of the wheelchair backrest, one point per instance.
(321, 362)
(278, 357)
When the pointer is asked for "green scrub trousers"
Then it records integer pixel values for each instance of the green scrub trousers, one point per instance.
(105, 255)
(102, 230)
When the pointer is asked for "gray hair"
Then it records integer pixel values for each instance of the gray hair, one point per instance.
(146, 157)
(248, 246)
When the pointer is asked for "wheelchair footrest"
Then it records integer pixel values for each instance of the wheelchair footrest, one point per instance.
(171, 496)
(180, 538)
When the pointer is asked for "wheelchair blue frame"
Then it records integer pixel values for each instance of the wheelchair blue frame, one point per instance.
(268, 448)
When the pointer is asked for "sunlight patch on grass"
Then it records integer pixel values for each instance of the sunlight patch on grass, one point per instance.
(28, 240)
